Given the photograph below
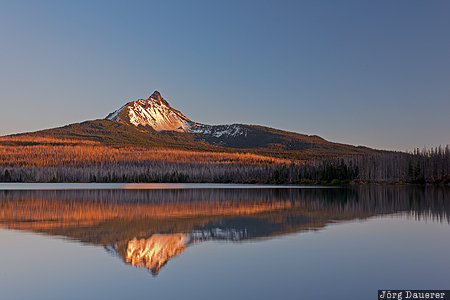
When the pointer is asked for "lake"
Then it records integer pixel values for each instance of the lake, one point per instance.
(94, 241)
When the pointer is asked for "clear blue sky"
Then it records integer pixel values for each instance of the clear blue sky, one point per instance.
(374, 73)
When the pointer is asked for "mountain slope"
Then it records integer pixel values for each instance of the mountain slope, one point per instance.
(259, 140)
(114, 133)
(154, 123)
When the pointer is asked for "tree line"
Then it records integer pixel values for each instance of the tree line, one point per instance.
(420, 166)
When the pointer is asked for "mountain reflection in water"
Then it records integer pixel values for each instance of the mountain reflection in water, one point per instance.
(154, 252)
(148, 227)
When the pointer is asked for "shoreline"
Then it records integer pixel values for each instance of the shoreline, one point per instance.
(10, 186)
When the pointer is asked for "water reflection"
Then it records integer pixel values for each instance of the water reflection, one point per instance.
(155, 252)
(146, 228)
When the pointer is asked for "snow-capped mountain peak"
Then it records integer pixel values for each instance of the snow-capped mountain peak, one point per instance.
(156, 96)
(155, 112)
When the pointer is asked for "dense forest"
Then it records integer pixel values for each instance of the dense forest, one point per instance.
(52, 160)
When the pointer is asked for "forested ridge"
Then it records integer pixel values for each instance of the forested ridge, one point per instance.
(41, 159)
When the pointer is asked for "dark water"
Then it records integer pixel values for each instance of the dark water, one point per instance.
(223, 243)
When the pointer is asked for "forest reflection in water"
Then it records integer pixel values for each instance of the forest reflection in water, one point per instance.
(148, 227)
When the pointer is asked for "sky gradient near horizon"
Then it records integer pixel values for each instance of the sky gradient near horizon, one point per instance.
(373, 73)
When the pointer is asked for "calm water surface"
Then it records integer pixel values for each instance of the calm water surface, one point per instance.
(217, 242)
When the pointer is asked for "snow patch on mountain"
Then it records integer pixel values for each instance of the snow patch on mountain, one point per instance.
(113, 116)
(218, 130)
(160, 117)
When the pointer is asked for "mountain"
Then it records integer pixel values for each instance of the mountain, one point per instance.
(154, 112)
(155, 123)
